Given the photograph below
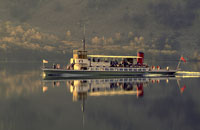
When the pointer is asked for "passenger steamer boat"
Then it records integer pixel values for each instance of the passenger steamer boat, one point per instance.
(83, 65)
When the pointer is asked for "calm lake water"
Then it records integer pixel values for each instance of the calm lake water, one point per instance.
(30, 103)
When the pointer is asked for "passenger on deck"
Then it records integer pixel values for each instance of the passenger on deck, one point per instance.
(116, 63)
(72, 66)
(68, 67)
(124, 63)
(54, 66)
(112, 64)
(58, 66)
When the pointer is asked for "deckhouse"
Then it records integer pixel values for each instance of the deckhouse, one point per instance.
(82, 61)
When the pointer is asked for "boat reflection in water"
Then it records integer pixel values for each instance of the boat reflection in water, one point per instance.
(106, 87)
(83, 88)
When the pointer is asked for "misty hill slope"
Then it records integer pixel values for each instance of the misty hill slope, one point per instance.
(133, 25)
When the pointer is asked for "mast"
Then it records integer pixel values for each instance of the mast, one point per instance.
(84, 38)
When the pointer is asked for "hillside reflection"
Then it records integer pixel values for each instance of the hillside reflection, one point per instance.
(19, 84)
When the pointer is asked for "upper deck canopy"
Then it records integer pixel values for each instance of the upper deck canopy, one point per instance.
(107, 56)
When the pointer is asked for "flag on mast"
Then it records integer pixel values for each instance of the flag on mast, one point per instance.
(45, 61)
(183, 59)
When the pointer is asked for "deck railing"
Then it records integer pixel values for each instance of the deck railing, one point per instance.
(123, 69)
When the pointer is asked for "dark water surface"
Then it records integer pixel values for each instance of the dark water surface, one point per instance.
(30, 103)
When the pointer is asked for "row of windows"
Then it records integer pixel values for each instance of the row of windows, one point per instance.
(118, 69)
